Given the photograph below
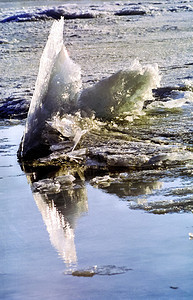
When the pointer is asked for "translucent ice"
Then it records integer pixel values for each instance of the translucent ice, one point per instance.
(57, 97)
(56, 90)
(122, 93)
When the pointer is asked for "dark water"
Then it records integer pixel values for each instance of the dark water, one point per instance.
(132, 231)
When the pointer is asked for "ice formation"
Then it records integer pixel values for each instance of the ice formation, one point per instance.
(56, 91)
(122, 93)
(58, 94)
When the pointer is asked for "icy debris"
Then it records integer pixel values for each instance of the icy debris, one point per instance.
(108, 270)
(182, 191)
(126, 160)
(46, 185)
(50, 13)
(171, 157)
(83, 273)
(190, 235)
(66, 179)
(102, 181)
(69, 129)
(164, 207)
(53, 185)
(59, 157)
(130, 12)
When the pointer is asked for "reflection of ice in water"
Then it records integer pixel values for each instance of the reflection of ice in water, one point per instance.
(149, 188)
(61, 235)
(60, 224)
(125, 186)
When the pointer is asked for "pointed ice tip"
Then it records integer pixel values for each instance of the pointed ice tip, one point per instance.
(65, 52)
(61, 21)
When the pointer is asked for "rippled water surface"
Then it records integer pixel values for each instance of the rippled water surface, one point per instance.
(118, 235)
(84, 230)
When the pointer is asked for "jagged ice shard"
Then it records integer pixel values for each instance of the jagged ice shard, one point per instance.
(56, 92)
(58, 96)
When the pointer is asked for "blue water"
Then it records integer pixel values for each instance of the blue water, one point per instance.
(156, 248)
